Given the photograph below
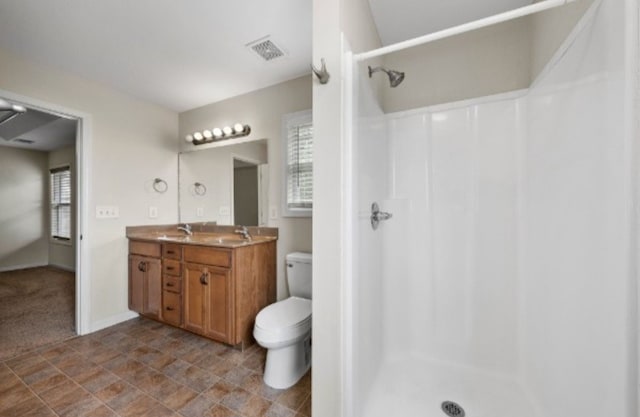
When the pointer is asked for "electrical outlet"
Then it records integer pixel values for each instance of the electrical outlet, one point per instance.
(107, 212)
(224, 211)
(153, 212)
(273, 212)
(199, 212)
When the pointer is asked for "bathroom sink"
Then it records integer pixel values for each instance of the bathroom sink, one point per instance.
(203, 238)
(223, 239)
(174, 238)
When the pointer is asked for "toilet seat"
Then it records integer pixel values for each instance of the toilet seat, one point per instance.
(283, 321)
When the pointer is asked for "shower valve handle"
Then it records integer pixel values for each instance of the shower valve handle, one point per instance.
(377, 216)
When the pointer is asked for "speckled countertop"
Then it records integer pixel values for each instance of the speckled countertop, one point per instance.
(204, 234)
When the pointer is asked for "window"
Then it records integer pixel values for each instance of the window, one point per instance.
(297, 134)
(61, 203)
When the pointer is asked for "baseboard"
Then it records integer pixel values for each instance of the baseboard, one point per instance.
(113, 320)
(64, 267)
(24, 266)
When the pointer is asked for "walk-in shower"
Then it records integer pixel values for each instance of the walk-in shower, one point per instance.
(504, 284)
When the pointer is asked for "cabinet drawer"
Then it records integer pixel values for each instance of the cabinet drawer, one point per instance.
(172, 284)
(172, 251)
(171, 267)
(172, 308)
(144, 248)
(208, 256)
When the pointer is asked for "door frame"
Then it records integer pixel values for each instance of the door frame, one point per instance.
(255, 162)
(83, 175)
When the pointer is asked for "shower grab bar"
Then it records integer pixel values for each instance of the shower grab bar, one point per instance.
(466, 27)
(377, 216)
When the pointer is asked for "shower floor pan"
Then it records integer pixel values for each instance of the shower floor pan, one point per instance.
(417, 388)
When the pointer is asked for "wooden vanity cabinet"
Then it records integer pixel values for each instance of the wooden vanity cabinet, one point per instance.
(208, 301)
(172, 284)
(145, 279)
(212, 291)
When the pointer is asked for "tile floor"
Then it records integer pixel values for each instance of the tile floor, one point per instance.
(144, 368)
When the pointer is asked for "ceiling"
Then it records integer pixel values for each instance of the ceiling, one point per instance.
(46, 131)
(179, 54)
(185, 54)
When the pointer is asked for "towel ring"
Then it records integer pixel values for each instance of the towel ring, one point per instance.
(199, 188)
(160, 185)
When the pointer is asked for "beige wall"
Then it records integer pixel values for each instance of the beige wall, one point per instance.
(500, 58)
(63, 254)
(132, 142)
(487, 61)
(549, 29)
(263, 111)
(23, 208)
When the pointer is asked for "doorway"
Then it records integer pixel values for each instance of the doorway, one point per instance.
(246, 193)
(41, 253)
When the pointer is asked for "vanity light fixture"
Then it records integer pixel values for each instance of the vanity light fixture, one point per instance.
(216, 134)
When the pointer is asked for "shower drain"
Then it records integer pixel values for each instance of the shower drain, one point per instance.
(452, 409)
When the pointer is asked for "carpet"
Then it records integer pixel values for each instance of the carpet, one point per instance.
(37, 307)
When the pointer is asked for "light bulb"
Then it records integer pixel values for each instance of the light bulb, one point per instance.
(227, 130)
(238, 128)
(207, 134)
(198, 136)
(217, 132)
(189, 138)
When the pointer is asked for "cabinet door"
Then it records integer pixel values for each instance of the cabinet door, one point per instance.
(194, 298)
(153, 287)
(136, 283)
(218, 290)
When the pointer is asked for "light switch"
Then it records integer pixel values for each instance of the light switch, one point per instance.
(199, 212)
(224, 210)
(273, 212)
(153, 212)
(107, 212)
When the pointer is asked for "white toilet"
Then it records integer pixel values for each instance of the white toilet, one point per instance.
(284, 328)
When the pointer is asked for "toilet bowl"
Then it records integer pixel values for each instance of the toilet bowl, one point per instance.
(284, 328)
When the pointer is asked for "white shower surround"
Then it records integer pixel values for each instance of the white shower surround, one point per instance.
(505, 280)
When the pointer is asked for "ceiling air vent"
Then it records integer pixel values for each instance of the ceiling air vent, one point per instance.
(266, 48)
(25, 141)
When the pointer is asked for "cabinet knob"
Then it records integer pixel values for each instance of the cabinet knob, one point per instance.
(169, 308)
(142, 266)
(203, 279)
(170, 268)
(170, 252)
(169, 284)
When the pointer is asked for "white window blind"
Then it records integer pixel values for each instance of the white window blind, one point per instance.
(299, 163)
(61, 203)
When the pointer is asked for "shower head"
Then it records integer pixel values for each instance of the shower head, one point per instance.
(395, 77)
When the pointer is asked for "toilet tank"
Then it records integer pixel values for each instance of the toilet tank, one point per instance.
(299, 274)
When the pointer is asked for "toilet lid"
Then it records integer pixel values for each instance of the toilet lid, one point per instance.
(285, 314)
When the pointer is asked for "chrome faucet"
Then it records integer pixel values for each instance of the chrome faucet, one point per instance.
(186, 228)
(244, 232)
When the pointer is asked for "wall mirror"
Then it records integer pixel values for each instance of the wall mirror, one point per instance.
(227, 184)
